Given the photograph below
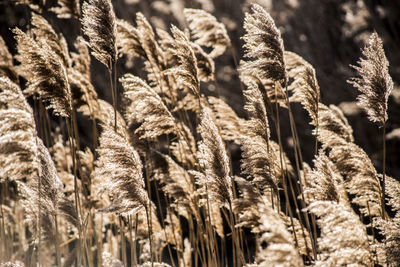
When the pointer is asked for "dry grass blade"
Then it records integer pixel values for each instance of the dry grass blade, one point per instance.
(47, 75)
(120, 167)
(98, 22)
(207, 31)
(374, 83)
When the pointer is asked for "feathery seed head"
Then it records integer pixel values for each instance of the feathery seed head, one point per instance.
(207, 31)
(374, 81)
(99, 24)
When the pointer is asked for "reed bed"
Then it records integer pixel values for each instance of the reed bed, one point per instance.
(156, 185)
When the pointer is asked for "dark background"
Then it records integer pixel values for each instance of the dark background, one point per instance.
(327, 33)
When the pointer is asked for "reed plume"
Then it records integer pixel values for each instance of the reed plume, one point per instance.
(227, 120)
(275, 246)
(120, 167)
(341, 243)
(141, 42)
(128, 40)
(47, 75)
(374, 81)
(110, 260)
(186, 74)
(81, 60)
(99, 25)
(207, 31)
(343, 238)
(83, 92)
(44, 33)
(305, 85)
(177, 183)
(18, 134)
(361, 177)
(264, 52)
(42, 195)
(106, 117)
(375, 85)
(213, 160)
(205, 63)
(146, 108)
(149, 44)
(258, 156)
(393, 193)
(331, 118)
